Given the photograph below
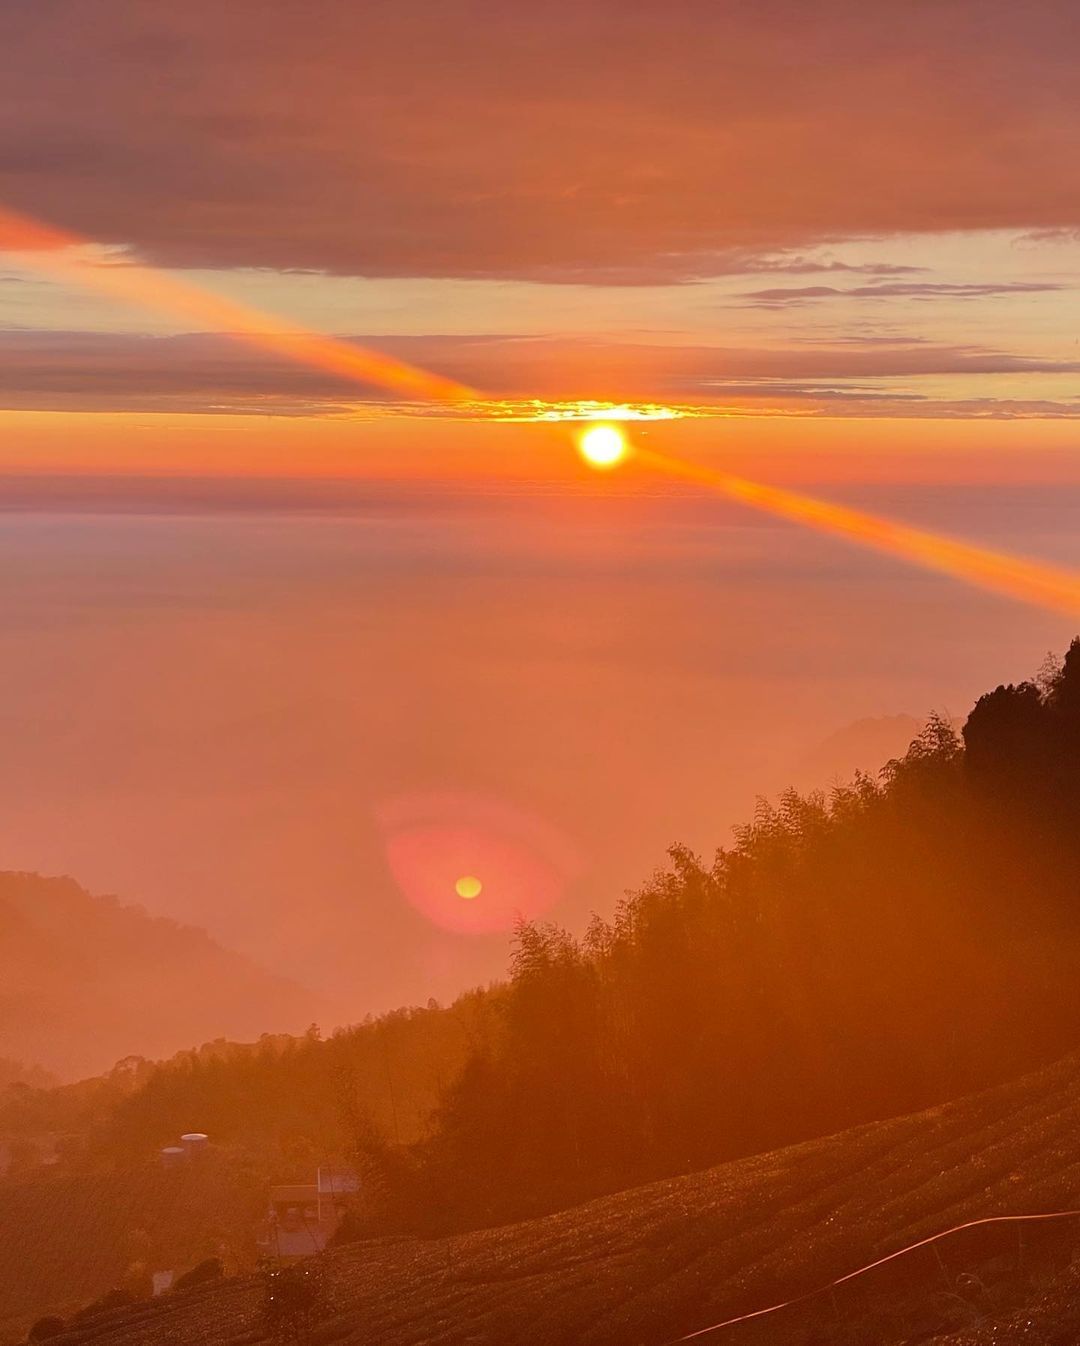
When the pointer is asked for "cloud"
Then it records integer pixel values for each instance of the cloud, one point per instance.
(809, 294)
(1050, 236)
(201, 373)
(865, 401)
(798, 265)
(602, 142)
(775, 389)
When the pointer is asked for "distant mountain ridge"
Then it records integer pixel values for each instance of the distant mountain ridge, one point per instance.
(85, 980)
(864, 745)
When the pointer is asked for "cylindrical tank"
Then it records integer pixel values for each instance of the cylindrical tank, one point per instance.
(194, 1142)
(172, 1155)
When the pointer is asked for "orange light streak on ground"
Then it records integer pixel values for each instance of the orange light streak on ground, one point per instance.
(50, 250)
(1034, 582)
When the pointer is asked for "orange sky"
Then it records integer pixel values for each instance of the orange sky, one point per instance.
(781, 212)
(282, 579)
(821, 450)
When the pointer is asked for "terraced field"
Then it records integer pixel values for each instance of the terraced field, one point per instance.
(66, 1237)
(648, 1265)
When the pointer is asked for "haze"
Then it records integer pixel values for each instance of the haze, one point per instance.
(274, 632)
(210, 710)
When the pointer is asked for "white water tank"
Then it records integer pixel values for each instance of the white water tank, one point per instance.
(172, 1155)
(194, 1142)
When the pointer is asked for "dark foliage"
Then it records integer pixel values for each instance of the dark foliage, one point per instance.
(898, 943)
(202, 1274)
(293, 1300)
(45, 1328)
(107, 1303)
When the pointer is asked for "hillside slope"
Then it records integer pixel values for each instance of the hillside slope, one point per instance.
(87, 981)
(648, 1265)
(69, 1238)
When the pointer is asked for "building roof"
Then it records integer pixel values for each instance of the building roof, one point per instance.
(337, 1181)
(295, 1193)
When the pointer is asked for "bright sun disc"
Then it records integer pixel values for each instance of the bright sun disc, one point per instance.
(468, 887)
(603, 446)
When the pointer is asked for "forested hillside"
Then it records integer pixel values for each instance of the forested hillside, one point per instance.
(901, 941)
(87, 981)
(905, 940)
(644, 1266)
(275, 1109)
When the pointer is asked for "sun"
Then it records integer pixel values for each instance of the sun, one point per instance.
(603, 446)
(468, 887)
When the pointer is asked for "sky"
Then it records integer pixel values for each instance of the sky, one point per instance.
(287, 641)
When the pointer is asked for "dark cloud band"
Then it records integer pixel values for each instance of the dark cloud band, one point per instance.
(603, 142)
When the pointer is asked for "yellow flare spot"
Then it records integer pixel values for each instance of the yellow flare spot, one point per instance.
(468, 887)
(603, 446)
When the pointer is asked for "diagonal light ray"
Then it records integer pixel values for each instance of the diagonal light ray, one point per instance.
(1035, 582)
(55, 252)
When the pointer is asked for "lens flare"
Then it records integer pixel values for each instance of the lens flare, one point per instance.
(603, 446)
(437, 846)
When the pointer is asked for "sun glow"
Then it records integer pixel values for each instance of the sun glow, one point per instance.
(587, 409)
(468, 887)
(62, 256)
(603, 446)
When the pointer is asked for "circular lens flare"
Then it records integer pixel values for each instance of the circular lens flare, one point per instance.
(603, 446)
(472, 864)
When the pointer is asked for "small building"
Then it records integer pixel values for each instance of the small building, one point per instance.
(336, 1187)
(162, 1281)
(303, 1217)
(293, 1227)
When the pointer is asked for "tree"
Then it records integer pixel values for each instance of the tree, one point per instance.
(1006, 742)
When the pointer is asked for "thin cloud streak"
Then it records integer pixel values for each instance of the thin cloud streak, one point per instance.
(781, 297)
(205, 372)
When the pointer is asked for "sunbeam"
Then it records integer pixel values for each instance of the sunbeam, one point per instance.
(54, 252)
